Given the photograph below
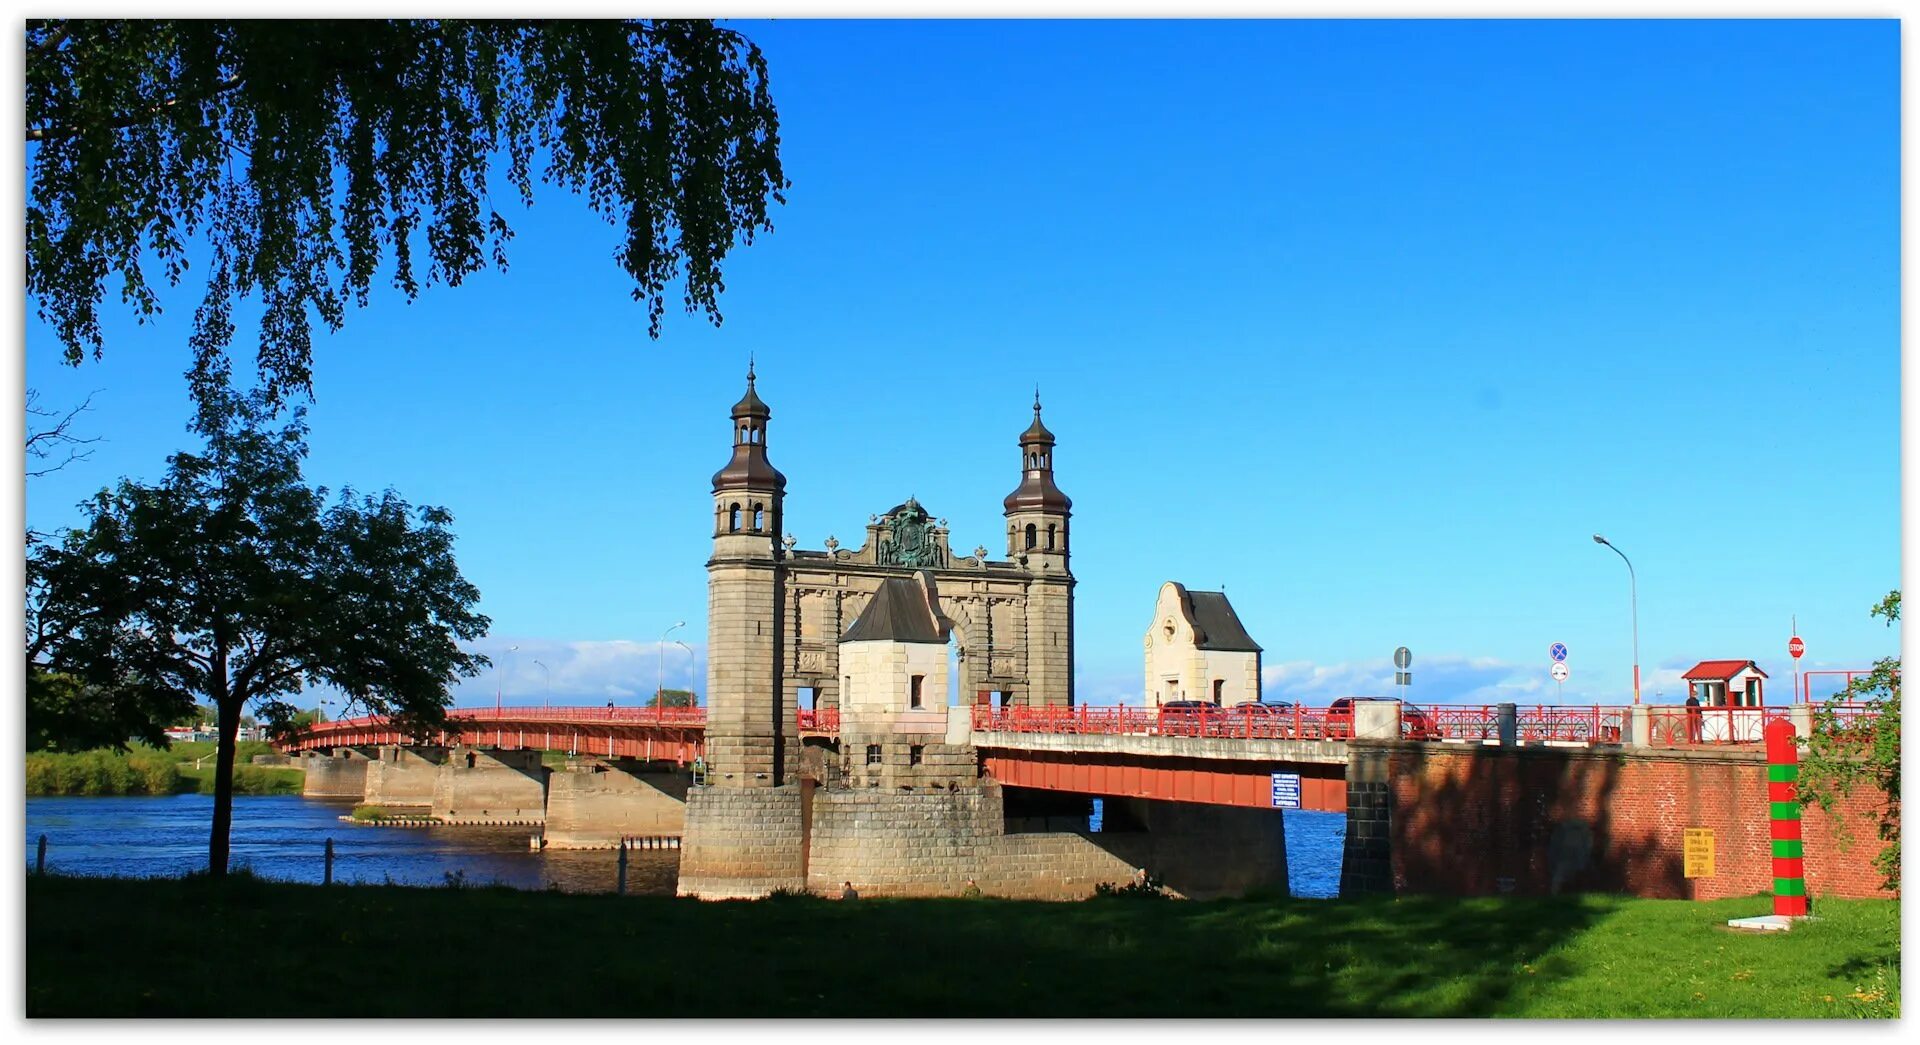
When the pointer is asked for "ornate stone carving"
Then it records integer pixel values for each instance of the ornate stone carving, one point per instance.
(909, 540)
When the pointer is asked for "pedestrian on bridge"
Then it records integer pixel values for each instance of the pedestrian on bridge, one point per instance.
(1693, 718)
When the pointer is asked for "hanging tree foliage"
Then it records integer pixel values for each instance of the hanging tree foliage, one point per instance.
(304, 152)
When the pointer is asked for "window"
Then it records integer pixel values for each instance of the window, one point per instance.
(913, 697)
(1753, 693)
(873, 754)
(759, 517)
(1049, 538)
(733, 517)
(913, 755)
(1033, 533)
(1219, 687)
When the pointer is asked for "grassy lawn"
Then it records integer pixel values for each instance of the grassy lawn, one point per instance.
(271, 949)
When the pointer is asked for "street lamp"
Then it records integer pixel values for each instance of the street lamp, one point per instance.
(546, 699)
(1633, 595)
(689, 650)
(499, 680)
(660, 667)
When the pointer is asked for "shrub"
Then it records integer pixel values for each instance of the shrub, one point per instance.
(1147, 887)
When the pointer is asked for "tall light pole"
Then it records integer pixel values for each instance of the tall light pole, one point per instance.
(689, 649)
(499, 679)
(660, 667)
(546, 697)
(1633, 595)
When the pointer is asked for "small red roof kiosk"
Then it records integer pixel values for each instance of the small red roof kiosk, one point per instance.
(1727, 683)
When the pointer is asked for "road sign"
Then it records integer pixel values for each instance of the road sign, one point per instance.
(1558, 651)
(1286, 790)
(1696, 852)
(1403, 658)
(1559, 671)
(1796, 647)
(1403, 678)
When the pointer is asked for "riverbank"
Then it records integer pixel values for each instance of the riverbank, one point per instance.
(143, 770)
(278, 949)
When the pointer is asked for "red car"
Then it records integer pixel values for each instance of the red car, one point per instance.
(1414, 723)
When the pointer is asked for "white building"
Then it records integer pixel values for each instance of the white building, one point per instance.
(1197, 649)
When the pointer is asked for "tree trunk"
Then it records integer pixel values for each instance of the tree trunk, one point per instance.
(218, 844)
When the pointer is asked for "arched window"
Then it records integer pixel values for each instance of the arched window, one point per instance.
(1033, 533)
(759, 516)
(1049, 537)
(733, 518)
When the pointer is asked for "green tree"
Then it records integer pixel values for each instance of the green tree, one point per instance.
(671, 698)
(231, 580)
(1856, 742)
(301, 152)
(309, 717)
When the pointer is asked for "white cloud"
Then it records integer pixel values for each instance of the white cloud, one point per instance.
(1443, 679)
(620, 670)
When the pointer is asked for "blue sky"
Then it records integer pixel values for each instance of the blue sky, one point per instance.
(1374, 323)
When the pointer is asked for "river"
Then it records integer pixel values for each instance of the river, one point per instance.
(284, 837)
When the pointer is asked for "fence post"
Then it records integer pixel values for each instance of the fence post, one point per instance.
(621, 887)
(40, 861)
(1508, 718)
(327, 876)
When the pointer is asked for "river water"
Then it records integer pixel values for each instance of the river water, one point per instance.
(284, 837)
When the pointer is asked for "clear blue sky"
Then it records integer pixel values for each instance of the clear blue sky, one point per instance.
(1373, 322)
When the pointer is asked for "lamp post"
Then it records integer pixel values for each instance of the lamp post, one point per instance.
(689, 649)
(1633, 595)
(546, 698)
(499, 680)
(660, 667)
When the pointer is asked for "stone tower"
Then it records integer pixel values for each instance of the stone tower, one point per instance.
(1037, 514)
(747, 712)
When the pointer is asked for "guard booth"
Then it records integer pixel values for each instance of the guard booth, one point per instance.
(1727, 689)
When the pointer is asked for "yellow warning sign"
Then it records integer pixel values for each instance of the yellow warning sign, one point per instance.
(1697, 848)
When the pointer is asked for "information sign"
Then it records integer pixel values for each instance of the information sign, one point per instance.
(1286, 790)
(1697, 852)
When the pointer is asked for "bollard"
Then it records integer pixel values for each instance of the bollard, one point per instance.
(40, 861)
(326, 877)
(621, 887)
(1508, 717)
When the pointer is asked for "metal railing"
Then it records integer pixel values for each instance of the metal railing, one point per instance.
(1294, 723)
(825, 721)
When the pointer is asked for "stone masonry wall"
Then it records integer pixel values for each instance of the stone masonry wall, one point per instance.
(1479, 820)
(591, 807)
(403, 776)
(491, 787)
(341, 774)
(742, 842)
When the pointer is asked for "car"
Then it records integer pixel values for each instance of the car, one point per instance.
(1262, 707)
(1415, 724)
(1188, 705)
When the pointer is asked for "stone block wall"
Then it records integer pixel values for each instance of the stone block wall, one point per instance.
(341, 773)
(594, 806)
(743, 842)
(403, 776)
(486, 786)
(1483, 820)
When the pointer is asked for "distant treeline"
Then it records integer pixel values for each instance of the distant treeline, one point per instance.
(148, 771)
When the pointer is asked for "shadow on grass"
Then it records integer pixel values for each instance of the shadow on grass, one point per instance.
(270, 949)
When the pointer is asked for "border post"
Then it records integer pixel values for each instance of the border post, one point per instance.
(1783, 783)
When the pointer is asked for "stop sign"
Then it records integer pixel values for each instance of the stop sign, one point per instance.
(1796, 647)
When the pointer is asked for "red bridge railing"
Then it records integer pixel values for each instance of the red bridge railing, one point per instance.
(820, 721)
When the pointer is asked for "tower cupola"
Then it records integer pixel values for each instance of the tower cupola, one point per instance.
(749, 468)
(1036, 492)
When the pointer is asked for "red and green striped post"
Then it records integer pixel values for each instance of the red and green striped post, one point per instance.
(1783, 782)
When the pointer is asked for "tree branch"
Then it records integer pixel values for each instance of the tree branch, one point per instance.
(119, 123)
(44, 443)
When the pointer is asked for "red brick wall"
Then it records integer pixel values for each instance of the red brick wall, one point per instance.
(1482, 820)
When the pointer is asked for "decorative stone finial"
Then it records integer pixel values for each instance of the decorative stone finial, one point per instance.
(790, 540)
(832, 542)
(980, 552)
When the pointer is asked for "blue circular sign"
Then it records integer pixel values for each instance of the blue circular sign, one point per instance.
(1558, 651)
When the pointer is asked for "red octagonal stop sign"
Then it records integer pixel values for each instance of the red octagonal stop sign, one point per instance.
(1796, 647)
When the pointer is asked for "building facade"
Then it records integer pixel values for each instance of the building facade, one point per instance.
(1197, 649)
(778, 616)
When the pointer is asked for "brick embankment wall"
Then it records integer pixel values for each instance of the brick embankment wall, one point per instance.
(342, 774)
(590, 807)
(742, 842)
(1482, 820)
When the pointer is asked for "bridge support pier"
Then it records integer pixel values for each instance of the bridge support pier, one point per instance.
(478, 785)
(594, 806)
(338, 773)
(403, 776)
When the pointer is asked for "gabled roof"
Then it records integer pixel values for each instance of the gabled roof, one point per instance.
(898, 613)
(1215, 625)
(1720, 670)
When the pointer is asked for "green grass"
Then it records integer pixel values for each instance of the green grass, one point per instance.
(291, 950)
(143, 770)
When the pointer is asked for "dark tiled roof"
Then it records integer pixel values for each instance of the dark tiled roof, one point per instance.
(1215, 625)
(1721, 669)
(898, 613)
